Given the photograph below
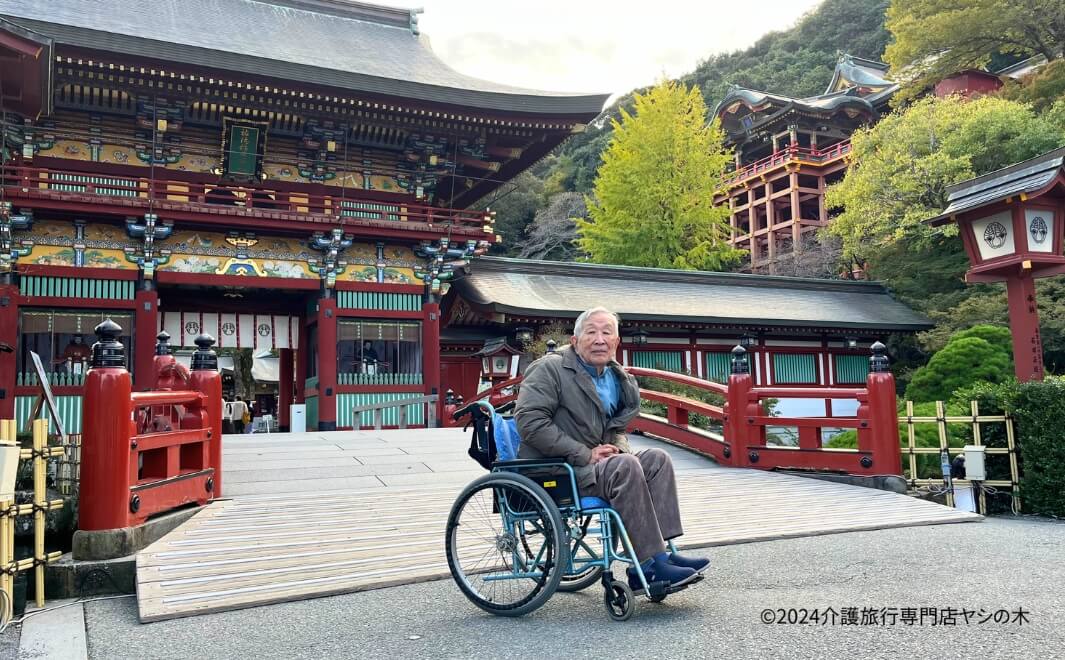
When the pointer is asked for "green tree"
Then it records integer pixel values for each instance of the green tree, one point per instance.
(1040, 89)
(901, 167)
(962, 362)
(936, 38)
(653, 198)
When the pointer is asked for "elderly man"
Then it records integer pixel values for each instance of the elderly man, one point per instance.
(575, 404)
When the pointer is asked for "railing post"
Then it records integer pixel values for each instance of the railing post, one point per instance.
(106, 432)
(205, 379)
(739, 389)
(883, 414)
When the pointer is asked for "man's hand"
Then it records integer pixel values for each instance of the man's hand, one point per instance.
(601, 452)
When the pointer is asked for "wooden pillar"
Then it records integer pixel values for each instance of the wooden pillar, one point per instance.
(431, 354)
(822, 210)
(771, 234)
(145, 327)
(1024, 328)
(284, 387)
(302, 356)
(796, 212)
(8, 361)
(733, 220)
(327, 364)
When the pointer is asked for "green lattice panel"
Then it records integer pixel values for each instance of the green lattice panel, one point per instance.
(718, 366)
(396, 302)
(851, 368)
(390, 416)
(76, 287)
(662, 360)
(69, 411)
(794, 369)
(368, 210)
(102, 185)
(378, 379)
(312, 413)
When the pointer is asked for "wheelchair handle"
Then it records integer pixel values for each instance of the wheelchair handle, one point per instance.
(469, 408)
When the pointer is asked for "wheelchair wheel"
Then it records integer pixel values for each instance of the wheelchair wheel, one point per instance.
(619, 600)
(506, 544)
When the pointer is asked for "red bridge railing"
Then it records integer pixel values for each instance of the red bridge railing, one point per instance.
(744, 422)
(146, 453)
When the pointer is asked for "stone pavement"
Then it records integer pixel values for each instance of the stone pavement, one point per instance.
(288, 534)
(1002, 563)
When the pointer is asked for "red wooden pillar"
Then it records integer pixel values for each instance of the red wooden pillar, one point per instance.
(284, 387)
(301, 364)
(105, 449)
(8, 361)
(883, 416)
(145, 327)
(431, 354)
(327, 364)
(736, 427)
(1024, 327)
(205, 379)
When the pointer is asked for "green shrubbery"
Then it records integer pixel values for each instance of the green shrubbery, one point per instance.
(980, 353)
(676, 389)
(924, 435)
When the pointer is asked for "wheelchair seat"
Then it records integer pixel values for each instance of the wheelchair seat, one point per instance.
(590, 502)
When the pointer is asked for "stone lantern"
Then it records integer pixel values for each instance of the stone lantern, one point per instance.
(1011, 223)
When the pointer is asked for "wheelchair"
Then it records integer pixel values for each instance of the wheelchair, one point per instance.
(522, 532)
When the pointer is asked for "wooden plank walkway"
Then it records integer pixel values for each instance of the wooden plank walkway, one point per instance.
(293, 531)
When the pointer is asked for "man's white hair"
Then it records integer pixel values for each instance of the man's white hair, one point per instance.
(579, 325)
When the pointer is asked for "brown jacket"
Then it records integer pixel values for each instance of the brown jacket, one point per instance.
(559, 413)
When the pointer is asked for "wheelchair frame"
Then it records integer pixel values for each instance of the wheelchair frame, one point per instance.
(574, 521)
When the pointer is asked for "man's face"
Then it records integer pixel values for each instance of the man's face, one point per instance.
(598, 341)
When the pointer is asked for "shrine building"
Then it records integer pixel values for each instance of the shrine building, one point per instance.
(788, 150)
(295, 177)
(289, 176)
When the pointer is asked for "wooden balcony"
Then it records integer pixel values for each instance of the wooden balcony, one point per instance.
(235, 206)
(789, 155)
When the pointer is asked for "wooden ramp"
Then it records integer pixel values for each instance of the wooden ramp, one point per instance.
(260, 549)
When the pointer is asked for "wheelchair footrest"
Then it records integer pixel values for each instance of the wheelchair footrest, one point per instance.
(661, 589)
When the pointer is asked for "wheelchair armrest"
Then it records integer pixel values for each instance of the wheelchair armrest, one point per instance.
(525, 462)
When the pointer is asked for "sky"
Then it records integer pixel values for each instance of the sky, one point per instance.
(596, 47)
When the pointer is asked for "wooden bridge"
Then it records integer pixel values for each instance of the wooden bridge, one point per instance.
(316, 514)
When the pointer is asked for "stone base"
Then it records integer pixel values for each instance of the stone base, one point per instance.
(125, 541)
(889, 482)
(71, 578)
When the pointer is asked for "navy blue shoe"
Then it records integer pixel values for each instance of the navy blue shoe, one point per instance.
(676, 576)
(697, 564)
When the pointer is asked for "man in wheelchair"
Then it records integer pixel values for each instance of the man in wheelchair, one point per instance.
(575, 404)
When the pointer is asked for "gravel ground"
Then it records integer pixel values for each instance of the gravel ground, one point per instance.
(1000, 564)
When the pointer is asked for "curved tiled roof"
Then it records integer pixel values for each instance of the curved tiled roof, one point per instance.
(335, 43)
(555, 289)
